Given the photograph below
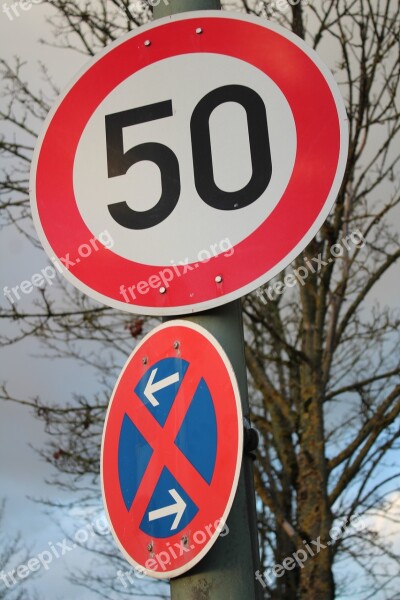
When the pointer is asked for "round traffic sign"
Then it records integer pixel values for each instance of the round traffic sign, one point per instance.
(193, 159)
(171, 450)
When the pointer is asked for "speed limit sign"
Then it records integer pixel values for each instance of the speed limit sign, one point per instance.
(208, 146)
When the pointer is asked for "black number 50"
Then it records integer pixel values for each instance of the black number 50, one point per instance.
(118, 161)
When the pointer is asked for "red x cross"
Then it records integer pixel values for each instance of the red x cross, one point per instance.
(165, 452)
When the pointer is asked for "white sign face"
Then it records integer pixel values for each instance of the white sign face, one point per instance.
(140, 188)
(209, 162)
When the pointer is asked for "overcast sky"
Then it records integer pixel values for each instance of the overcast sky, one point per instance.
(22, 471)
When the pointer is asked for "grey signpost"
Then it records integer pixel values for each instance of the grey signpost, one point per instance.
(228, 570)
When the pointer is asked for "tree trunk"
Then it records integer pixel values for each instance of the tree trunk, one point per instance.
(314, 518)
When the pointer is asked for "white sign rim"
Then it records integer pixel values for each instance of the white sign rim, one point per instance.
(228, 365)
(288, 259)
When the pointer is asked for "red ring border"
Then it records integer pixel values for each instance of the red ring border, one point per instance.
(318, 150)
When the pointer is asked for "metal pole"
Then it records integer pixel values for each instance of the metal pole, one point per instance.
(172, 7)
(228, 570)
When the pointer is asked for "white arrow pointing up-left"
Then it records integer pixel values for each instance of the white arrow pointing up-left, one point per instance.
(178, 508)
(152, 387)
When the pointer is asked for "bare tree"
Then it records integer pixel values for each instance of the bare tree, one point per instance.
(11, 550)
(322, 356)
(325, 370)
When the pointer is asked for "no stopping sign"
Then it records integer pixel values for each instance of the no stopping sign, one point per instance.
(208, 148)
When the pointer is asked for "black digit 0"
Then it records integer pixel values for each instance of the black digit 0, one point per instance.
(260, 151)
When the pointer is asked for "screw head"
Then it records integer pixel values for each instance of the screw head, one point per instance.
(162, 290)
(150, 546)
(199, 30)
(218, 279)
(147, 43)
(176, 345)
(144, 360)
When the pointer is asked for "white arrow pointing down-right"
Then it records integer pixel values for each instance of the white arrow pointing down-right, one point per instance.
(173, 509)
